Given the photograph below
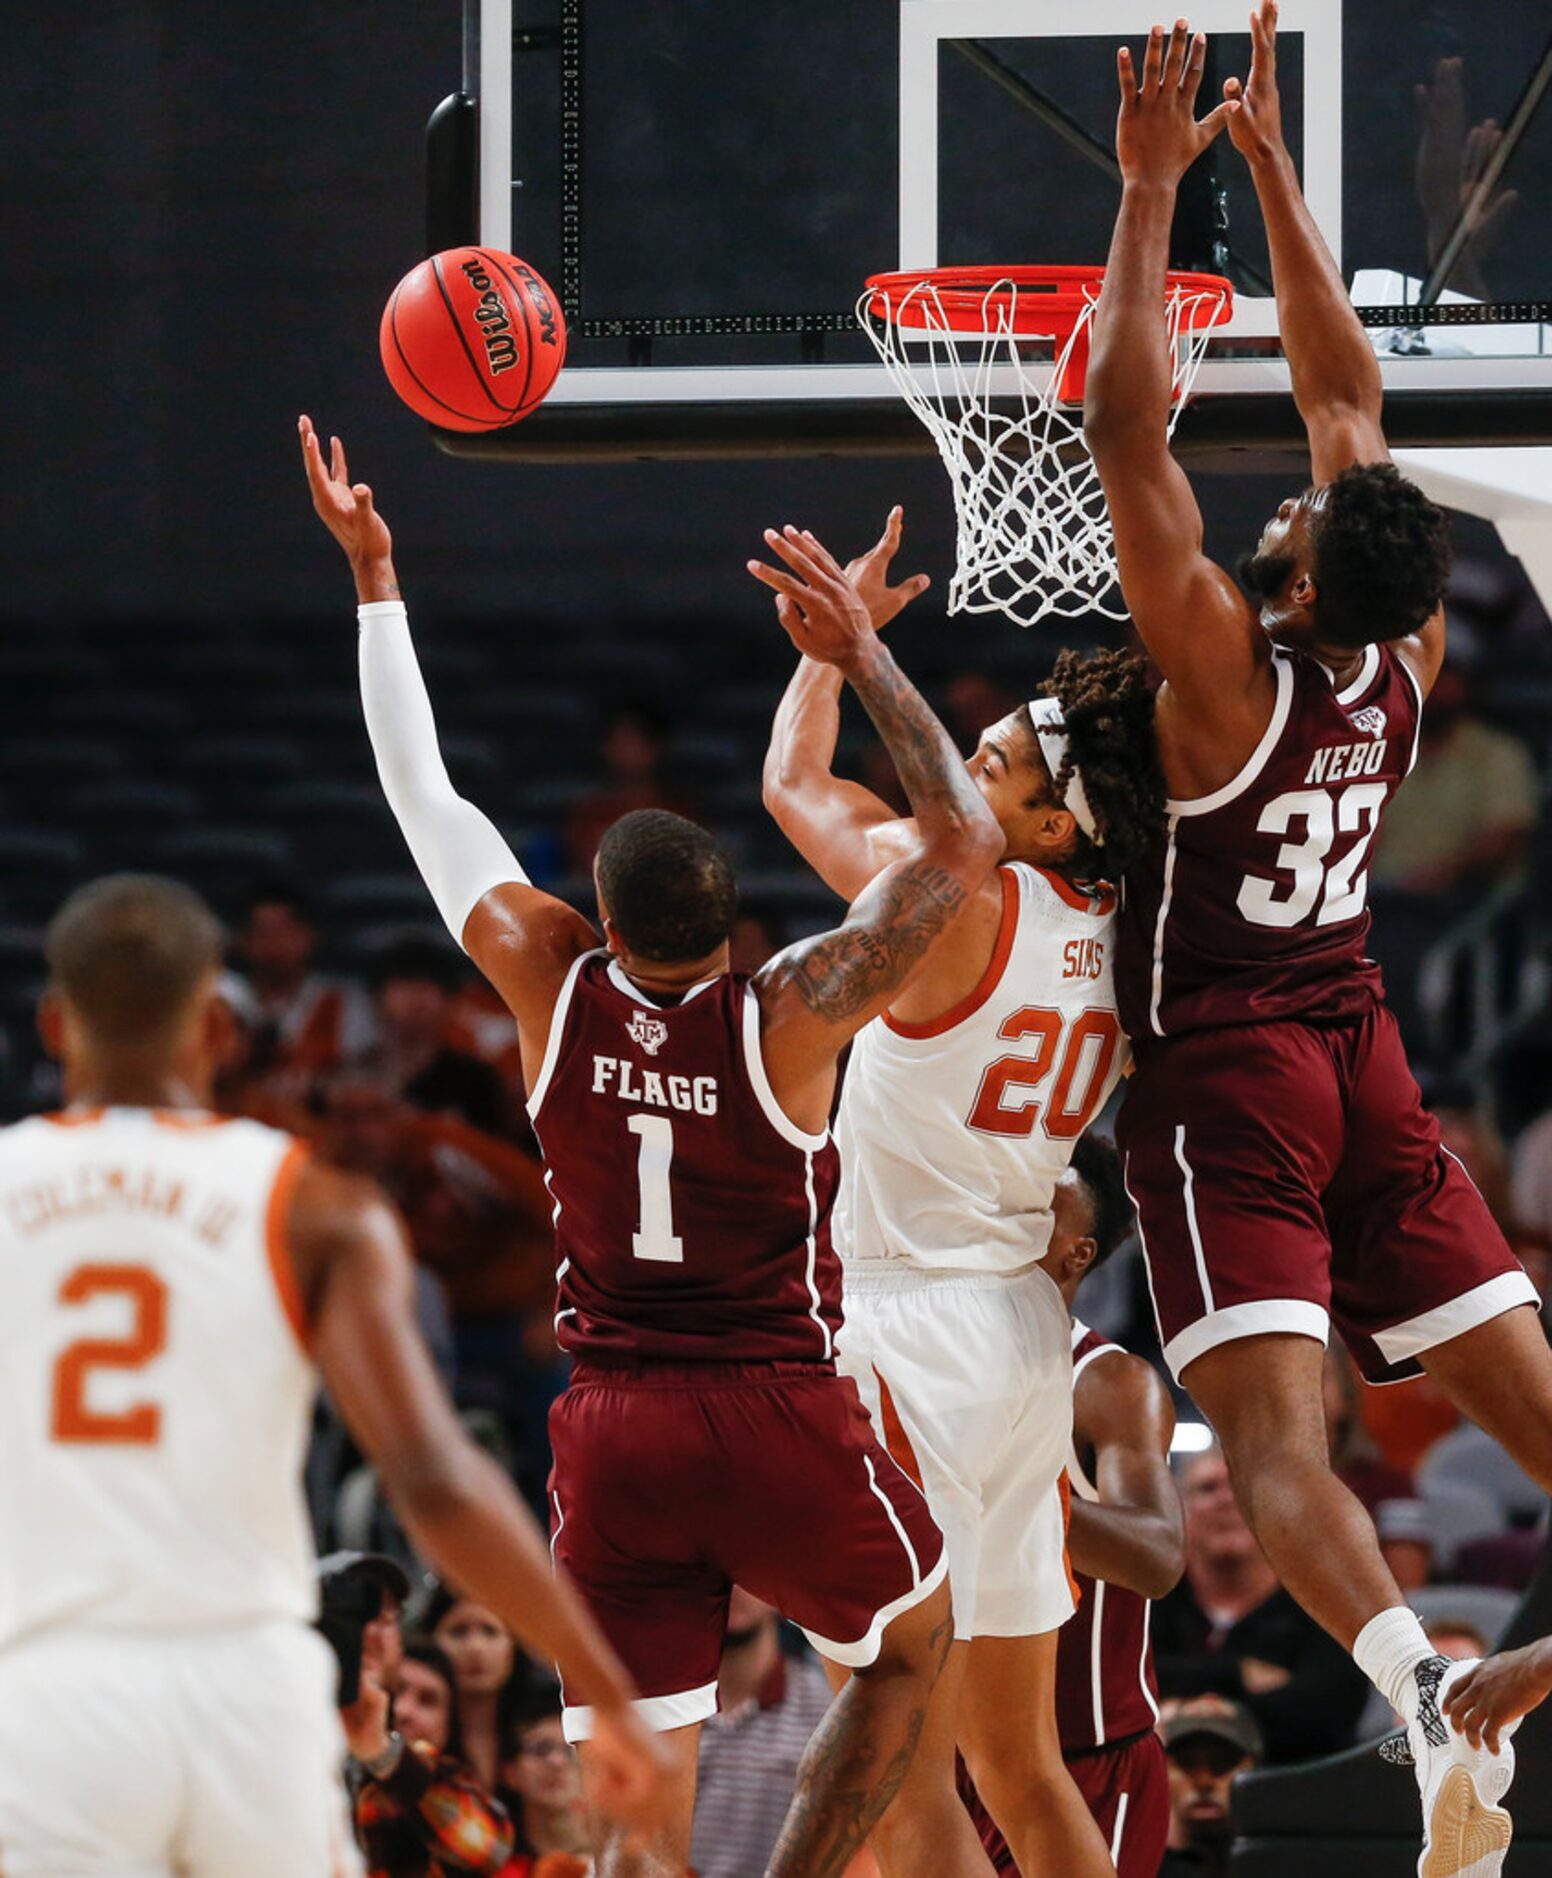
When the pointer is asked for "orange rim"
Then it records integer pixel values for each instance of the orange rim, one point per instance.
(1041, 302)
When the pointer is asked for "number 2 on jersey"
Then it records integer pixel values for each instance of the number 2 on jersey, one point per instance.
(654, 1237)
(1094, 1033)
(140, 1425)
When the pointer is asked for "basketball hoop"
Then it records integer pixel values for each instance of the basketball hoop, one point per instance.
(1034, 535)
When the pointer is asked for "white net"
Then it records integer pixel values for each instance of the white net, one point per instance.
(1034, 535)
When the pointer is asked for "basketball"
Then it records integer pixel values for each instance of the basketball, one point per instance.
(472, 339)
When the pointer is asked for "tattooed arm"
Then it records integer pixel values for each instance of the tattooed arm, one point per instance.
(818, 994)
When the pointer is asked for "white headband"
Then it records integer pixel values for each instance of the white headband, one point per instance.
(1051, 729)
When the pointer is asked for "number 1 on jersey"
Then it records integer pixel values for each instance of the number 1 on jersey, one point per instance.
(654, 1237)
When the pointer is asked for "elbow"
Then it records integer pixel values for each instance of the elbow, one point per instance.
(1165, 1563)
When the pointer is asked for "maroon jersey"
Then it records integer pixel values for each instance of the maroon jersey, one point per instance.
(1106, 1688)
(692, 1218)
(1250, 903)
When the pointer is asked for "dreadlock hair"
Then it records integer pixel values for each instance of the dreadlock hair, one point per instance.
(1107, 702)
(1381, 556)
(1098, 1166)
(668, 886)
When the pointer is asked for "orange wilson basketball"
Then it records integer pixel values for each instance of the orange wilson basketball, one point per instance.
(472, 339)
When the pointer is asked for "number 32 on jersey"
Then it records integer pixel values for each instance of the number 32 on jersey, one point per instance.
(1075, 1058)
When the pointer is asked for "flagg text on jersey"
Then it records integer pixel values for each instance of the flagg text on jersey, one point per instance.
(618, 1076)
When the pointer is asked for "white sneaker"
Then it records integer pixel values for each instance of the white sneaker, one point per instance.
(1466, 1831)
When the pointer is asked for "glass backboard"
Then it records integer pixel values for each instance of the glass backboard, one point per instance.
(708, 187)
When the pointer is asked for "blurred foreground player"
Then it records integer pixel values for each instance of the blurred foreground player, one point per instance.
(1126, 1542)
(172, 1286)
(961, 1107)
(1285, 1172)
(705, 1439)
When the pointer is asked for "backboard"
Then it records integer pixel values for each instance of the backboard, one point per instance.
(707, 188)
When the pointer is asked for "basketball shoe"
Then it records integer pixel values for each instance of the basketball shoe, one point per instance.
(1466, 1830)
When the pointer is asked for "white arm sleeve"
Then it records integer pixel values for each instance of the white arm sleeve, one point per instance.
(460, 852)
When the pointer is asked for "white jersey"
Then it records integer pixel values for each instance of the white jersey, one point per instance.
(954, 1134)
(155, 1398)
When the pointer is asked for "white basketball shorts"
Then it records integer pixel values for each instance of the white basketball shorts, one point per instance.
(974, 1371)
(216, 1755)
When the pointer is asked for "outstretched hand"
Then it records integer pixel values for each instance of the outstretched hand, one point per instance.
(345, 508)
(869, 574)
(818, 603)
(1158, 136)
(1256, 128)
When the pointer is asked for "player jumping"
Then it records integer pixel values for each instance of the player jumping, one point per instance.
(1285, 1172)
(172, 1286)
(961, 1106)
(705, 1438)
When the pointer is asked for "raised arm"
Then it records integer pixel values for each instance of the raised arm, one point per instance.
(818, 994)
(844, 832)
(1336, 376)
(1192, 618)
(1134, 1535)
(356, 1302)
(524, 940)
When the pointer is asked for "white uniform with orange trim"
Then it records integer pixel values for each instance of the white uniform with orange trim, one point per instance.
(164, 1703)
(953, 1136)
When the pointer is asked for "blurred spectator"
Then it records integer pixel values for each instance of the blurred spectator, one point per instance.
(1457, 1638)
(305, 1025)
(493, 1675)
(1405, 1419)
(1532, 1179)
(414, 980)
(419, 1811)
(1230, 1629)
(1207, 1742)
(769, 1707)
(476, 1206)
(1406, 1541)
(543, 1784)
(1354, 1458)
(633, 752)
(1466, 814)
(240, 1089)
(1469, 1132)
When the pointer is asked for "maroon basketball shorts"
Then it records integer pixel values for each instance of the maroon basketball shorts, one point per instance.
(1286, 1176)
(1125, 1787)
(674, 1482)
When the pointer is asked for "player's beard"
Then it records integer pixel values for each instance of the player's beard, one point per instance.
(1264, 574)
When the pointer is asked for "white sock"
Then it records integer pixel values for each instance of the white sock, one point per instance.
(1388, 1649)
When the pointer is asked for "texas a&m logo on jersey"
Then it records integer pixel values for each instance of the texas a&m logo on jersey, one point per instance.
(650, 1032)
(1371, 718)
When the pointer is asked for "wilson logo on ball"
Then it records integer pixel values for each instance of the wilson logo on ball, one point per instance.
(472, 339)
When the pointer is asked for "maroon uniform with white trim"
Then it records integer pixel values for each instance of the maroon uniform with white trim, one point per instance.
(692, 1218)
(1284, 1170)
(1106, 1687)
(705, 1439)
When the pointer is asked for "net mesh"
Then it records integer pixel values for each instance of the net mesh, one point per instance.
(1034, 535)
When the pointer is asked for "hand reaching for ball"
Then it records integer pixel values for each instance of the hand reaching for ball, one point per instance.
(346, 510)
